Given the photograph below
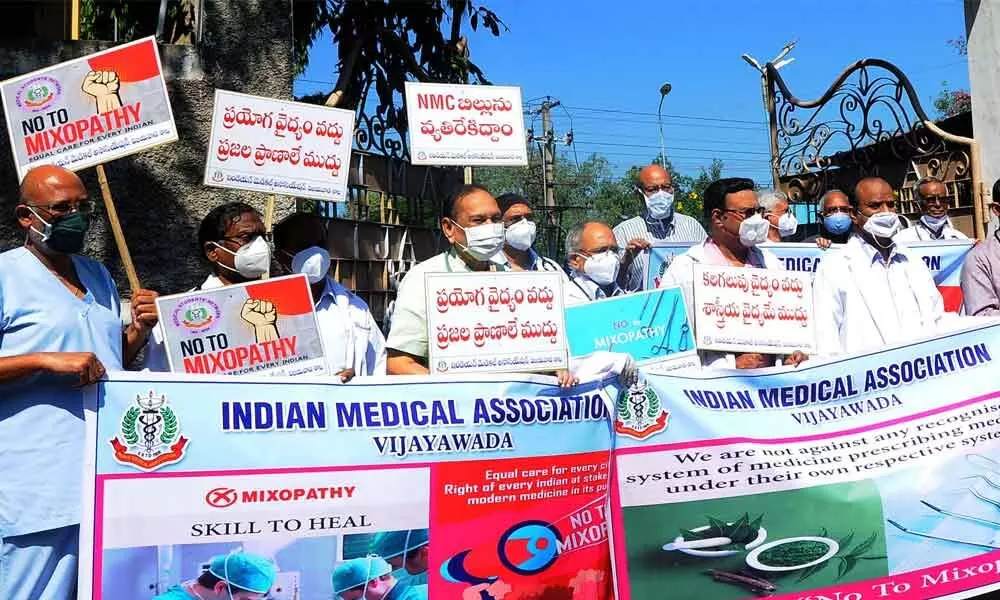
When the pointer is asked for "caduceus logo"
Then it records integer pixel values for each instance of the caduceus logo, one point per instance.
(639, 413)
(149, 434)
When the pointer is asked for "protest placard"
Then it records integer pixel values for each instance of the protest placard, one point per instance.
(452, 124)
(650, 326)
(255, 327)
(89, 110)
(658, 259)
(279, 147)
(753, 310)
(495, 322)
(868, 477)
(944, 259)
(310, 473)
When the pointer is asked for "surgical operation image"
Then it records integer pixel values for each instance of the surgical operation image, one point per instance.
(390, 565)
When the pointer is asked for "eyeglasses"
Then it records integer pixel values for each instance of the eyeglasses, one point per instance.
(62, 208)
(585, 254)
(746, 213)
(935, 200)
(245, 238)
(887, 204)
(836, 209)
(652, 189)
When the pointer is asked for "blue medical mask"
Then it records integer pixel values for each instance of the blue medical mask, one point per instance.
(837, 223)
(660, 205)
(934, 223)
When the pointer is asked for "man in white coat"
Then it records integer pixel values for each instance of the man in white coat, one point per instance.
(736, 228)
(872, 293)
(934, 225)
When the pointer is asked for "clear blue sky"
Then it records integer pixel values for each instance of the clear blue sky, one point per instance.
(596, 56)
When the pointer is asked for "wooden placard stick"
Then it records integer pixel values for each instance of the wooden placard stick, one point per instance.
(269, 222)
(116, 230)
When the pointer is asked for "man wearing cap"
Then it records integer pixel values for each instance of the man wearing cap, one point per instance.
(404, 549)
(353, 343)
(370, 578)
(234, 576)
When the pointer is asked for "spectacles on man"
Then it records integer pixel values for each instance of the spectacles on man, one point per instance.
(652, 189)
(745, 213)
(942, 200)
(245, 238)
(63, 208)
(836, 209)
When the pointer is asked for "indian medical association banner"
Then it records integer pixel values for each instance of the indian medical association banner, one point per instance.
(868, 477)
(506, 476)
(944, 259)
(264, 326)
(89, 110)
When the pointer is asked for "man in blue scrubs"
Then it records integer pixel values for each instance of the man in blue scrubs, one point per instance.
(60, 328)
(370, 578)
(234, 576)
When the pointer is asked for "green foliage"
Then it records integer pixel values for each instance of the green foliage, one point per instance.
(654, 409)
(381, 44)
(622, 408)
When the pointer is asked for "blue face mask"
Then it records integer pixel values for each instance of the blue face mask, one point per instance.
(837, 224)
(660, 205)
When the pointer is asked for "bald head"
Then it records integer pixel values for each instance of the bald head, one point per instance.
(652, 176)
(869, 187)
(587, 240)
(46, 185)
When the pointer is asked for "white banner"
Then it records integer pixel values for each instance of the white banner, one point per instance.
(453, 124)
(495, 322)
(755, 310)
(279, 147)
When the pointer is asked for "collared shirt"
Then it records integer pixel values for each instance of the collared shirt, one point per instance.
(538, 262)
(920, 232)
(981, 278)
(680, 228)
(351, 338)
(681, 274)
(864, 301)
(408, 330)
(582, 289)
(41, 417)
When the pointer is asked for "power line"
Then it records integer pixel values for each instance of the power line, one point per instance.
(591, 143)
(646, 114)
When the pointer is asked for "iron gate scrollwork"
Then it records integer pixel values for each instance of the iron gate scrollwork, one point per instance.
(869, 119)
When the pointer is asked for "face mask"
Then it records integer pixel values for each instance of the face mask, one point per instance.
(753, 231)
(314, 262)
(787, 224)
(484, 241)
(521, 235)
(837, 224)
(65, 233)
(252, 260)
(602, 268)
(883, 225)
(660, 205)
(934, 223)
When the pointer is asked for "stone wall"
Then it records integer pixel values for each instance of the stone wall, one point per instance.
(247, 47)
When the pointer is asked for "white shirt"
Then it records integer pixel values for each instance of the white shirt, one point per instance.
(862, 303)
(155, 356)
(351, 338)
(920, 232)
(681, 273)
(581, 289)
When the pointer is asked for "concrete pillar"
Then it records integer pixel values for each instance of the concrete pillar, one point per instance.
(982, 28)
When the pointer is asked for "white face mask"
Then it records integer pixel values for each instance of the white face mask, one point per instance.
(602, 268)
(313, 262)
(483, 241)
(753, 231)
(521, 235)
(787, 224)
(660, 205)
(934, 223)
(251, 260)
(883, 225)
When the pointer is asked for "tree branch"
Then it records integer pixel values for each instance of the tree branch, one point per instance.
(346, 74)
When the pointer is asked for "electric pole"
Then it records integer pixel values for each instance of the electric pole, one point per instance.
(548, 144)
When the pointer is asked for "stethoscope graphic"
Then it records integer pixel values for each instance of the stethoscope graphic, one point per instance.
(981, 462)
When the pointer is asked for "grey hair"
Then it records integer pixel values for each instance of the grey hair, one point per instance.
(922, 182)
(573, 239)
(822, 199)
(768, 199)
